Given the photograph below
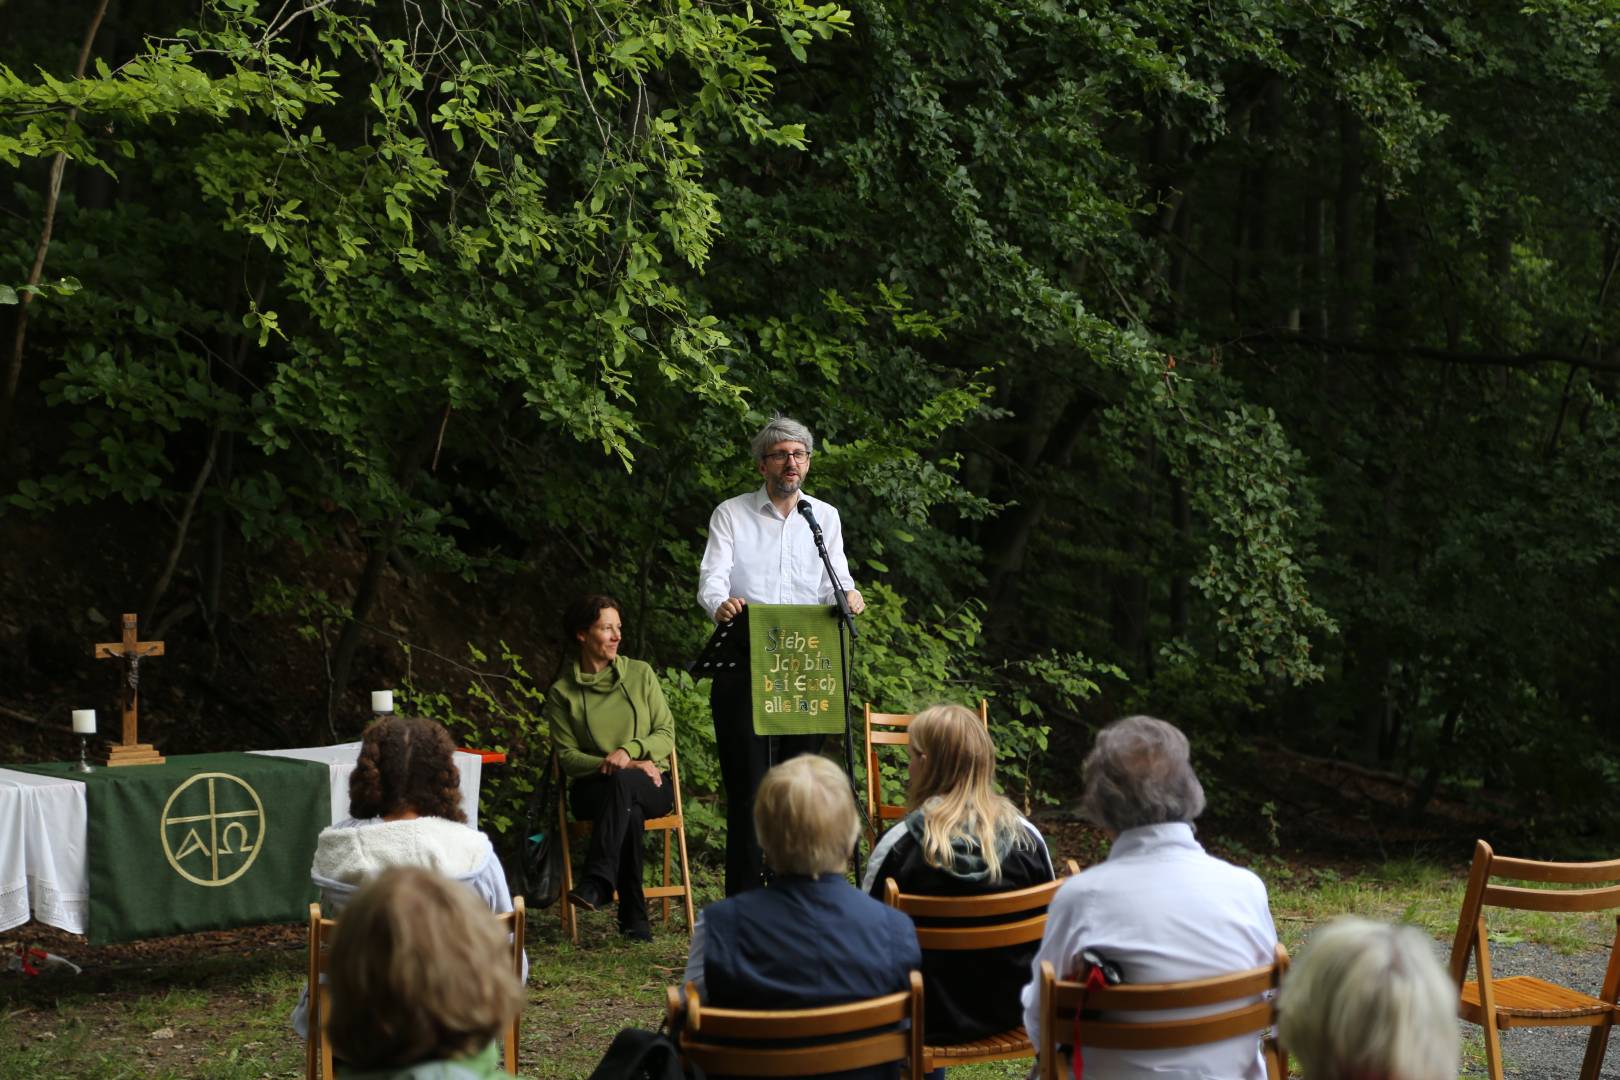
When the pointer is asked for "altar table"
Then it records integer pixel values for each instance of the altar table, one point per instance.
(44, 848)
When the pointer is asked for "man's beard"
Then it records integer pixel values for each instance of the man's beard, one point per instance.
(781, 487)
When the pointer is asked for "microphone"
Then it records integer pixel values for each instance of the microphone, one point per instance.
(841, 600)
(810, 518)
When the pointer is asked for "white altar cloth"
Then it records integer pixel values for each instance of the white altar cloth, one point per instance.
(44, 849)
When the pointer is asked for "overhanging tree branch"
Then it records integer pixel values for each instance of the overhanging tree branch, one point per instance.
(1398, 350)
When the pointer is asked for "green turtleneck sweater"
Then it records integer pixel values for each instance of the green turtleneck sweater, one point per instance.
(620, 707)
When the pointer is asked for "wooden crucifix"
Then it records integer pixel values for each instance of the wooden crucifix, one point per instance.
(130, 750)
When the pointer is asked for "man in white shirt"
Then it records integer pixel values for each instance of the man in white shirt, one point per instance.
(761, 549)
(1159, 907)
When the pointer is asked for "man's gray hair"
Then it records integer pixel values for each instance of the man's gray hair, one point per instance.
(1370, 999)
(781, 429)
(1140, 773)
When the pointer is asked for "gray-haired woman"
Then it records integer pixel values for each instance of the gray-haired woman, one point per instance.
(1159, 907)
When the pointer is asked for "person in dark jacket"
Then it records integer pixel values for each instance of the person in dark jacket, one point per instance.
(808, 938)
(613, 733)
(960, 838)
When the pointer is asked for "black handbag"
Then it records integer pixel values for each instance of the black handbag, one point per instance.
(637, 1054)
(543, 848)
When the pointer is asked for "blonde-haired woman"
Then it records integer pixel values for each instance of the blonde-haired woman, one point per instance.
(960, 838)
(808, 938)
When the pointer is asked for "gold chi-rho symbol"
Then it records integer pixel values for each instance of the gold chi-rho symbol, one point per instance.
(213, 827)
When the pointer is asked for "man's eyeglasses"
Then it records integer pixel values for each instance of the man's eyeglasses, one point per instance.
(780, 457)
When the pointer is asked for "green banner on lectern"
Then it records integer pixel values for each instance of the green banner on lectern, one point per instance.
(798, 680)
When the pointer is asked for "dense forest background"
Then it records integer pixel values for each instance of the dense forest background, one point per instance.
(1247, 363)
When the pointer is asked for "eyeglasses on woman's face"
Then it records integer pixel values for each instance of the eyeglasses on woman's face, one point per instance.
(782, 457)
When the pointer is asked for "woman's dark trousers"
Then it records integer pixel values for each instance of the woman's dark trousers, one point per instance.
(617, 804)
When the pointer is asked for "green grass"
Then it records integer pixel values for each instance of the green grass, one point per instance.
(225, 1017)
(1420, 894)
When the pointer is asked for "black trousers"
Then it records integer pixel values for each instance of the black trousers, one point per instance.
(744, 759)
(617, 804)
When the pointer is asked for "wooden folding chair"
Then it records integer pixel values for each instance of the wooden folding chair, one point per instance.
(751, 1042)
(889, 729)
(1523, 1000)
(973, 923)
(672, 825)
(318, 1047)
(1247, 1013)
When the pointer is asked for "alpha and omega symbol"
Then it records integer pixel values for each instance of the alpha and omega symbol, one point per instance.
(213, 826)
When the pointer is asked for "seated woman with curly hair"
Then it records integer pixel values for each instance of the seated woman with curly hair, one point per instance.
(405, 795)
(419, 983)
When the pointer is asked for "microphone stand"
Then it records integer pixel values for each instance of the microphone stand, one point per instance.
(846, 621)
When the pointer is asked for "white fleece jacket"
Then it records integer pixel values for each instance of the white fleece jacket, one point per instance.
(354, 851)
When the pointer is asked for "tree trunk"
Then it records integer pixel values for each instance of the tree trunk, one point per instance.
(1130, 610)
(1268, 124)
(1442, 753)
(1345, 205)
(365, 597)
(413, 458)
(36, 272)
(1181, 528)
(1047, 444)
(182, 531)
(1239, 245)
(1311, 310)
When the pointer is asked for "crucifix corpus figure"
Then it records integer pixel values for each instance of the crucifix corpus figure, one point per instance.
(130, 750)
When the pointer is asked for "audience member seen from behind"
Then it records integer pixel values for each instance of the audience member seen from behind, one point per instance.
(960, 838)
(405, 798)
(808, 938)
(420, 982)
(1159, 907)
(613, 733)
(1370, 1001)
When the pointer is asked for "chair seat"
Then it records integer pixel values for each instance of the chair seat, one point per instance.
(1013, 1043)
(1525, 999)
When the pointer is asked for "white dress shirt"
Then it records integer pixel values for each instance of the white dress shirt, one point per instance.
(757, 554)
(1164, 911)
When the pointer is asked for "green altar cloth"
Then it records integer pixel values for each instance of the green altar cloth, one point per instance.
(798, 680)
(200, 842)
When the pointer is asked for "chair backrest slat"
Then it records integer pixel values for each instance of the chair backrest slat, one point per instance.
(983, 904)
(800, 1023)
(957, 935)
(892, 719)
(721, 1060)
(1174, 1034)
(972, 938)
(1566, 873)
(1571, 900)
(848, 1030)
(1183, 995)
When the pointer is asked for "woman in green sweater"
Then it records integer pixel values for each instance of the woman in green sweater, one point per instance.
(613, 732)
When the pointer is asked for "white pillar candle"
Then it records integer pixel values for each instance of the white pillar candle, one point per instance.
(382, 701)
(84, 721)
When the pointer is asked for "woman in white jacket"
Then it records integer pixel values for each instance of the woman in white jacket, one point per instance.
(405, 795)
